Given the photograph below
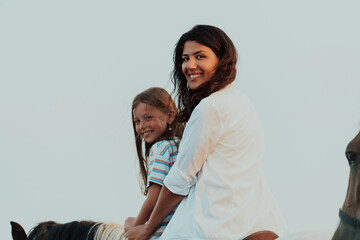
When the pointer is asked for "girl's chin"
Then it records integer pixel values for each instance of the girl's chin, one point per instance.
(149, 140)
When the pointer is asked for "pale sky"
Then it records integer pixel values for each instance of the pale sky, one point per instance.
(70, 69)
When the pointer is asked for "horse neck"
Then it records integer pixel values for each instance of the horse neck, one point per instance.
(345, 232)
(351, 204)
(351, 207)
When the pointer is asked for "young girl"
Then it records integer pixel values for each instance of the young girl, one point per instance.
(155, 128)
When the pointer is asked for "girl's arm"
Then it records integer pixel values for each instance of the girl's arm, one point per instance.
(166, 202)
(201, 134)
(148, 205)
(146, 209)
(160, 160)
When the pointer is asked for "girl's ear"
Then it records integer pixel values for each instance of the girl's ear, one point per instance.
(171, 115)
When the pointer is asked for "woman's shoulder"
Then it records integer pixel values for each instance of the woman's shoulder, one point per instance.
(227, 92)
(225, 103)
(232, 95)
(229, 96)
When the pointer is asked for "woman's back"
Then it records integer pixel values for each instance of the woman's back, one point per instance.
(230, 199)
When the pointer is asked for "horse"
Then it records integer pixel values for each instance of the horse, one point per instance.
(75, 230)
(89, 230)
(349, 226)
(348, 229)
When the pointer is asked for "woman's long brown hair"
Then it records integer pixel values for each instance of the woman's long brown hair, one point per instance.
(215, 39)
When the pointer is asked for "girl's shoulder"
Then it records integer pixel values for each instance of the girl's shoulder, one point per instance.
(165, 144)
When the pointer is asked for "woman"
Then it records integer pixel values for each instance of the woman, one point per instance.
(217, 179)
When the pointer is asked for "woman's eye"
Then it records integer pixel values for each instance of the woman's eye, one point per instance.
(200, 56)
(184, 59)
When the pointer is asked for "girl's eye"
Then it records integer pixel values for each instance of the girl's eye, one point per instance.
(148, 117)
(137, 122)
(200, 56)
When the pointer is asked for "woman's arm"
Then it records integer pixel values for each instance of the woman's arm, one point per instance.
(166, 202)
(146, 209)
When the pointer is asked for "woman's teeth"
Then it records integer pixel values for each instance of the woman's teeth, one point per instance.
(194, 76)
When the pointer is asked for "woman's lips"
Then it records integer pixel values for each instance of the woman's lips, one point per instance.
(194, 76)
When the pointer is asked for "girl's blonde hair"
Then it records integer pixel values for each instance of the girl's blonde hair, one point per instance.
(160, 99)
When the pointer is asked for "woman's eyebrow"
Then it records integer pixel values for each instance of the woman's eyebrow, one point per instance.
(194, 53)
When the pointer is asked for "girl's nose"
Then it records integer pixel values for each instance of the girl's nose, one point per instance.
(139, 125)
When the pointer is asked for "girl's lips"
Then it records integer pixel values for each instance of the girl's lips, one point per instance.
(146, 134)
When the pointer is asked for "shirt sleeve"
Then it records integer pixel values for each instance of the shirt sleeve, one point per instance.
(201, 134)
(159, 163)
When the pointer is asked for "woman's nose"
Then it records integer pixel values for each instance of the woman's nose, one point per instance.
(191, 63)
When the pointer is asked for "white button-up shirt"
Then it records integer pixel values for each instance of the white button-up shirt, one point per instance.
(219, 169)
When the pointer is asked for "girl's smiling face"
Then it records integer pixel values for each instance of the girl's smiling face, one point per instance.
(150, 122)
(199, 63)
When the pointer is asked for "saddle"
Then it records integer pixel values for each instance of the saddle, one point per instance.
(262, 235)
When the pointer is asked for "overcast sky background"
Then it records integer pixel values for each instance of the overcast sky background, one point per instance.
(70, 69)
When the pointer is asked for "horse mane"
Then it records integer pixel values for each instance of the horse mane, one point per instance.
(77, 230)
(41, 231)
(73, 230)
(109, 231)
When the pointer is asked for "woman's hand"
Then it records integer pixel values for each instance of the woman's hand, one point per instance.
(129, 223)
(141, 232)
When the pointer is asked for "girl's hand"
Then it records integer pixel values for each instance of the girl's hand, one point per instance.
(129, 223)
(141, 232)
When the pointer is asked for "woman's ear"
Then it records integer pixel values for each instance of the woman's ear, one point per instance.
(171, 115)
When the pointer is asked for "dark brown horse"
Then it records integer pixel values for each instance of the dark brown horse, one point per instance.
(88, 230)
(349, 227)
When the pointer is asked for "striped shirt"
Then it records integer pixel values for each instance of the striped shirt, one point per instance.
(161, 158)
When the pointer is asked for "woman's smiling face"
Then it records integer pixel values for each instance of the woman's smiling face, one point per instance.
(199, 63)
